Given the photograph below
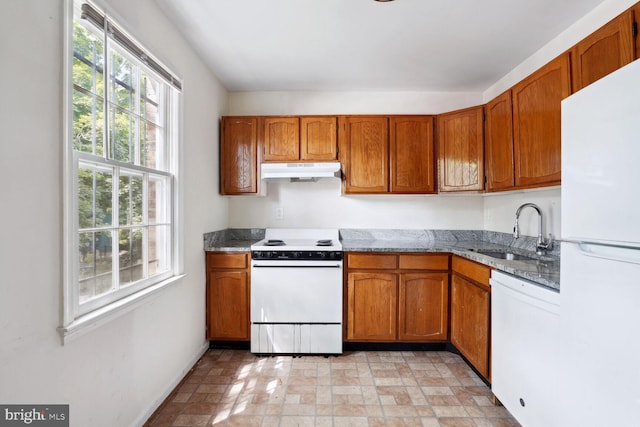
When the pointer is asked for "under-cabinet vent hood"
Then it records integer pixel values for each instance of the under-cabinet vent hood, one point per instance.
(300, 171)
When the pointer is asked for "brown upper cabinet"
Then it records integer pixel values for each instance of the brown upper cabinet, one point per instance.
(523, 124)
(238, 155)
(536, 123)
(383, 154)
(293, 138)
(281, 141)
(499, 143)
(319, 138)
(604, 51)
(412, 154)
(460, 150)
(635, 10)
(364, 151)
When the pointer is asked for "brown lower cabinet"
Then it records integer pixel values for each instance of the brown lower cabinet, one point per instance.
(470, 312)
(228, 295)
(397, 297)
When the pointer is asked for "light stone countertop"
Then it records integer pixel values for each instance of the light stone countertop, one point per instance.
(544, 270)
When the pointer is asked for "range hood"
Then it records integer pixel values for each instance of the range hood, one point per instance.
(300, 171)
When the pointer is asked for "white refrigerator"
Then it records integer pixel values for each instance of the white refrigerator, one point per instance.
(600, 261)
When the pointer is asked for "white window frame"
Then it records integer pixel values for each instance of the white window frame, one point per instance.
(77, 319)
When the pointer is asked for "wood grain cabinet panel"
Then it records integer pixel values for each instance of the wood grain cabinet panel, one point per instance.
(471, 312)
(238, 155)
(439, 262)
(227, 260)
(281, 138)
(228, 277)
(412, 154)
(536, 123)
(373, 261)
(604, 51)
(460, 150)
(472, 270)
(470, 322)
(227, 307)
(364, 151)
(372, 304)
(319, 138)
(499, 143)
(635, 10)
(397, 297)
(228, 300)
(423, 307)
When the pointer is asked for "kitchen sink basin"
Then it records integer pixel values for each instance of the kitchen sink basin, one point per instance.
(507, 256)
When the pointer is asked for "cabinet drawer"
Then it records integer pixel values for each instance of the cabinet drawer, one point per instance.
(424, 262)
(227, 260)
(472, 270)
(372, 261)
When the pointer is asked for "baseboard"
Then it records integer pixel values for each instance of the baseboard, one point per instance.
(145, 416)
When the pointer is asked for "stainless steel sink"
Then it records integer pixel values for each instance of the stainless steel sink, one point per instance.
(507, 256)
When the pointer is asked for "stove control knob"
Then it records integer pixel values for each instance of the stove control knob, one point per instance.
(323, 255)
(295, 255)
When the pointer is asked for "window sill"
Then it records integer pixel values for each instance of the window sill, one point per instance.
(99, 317)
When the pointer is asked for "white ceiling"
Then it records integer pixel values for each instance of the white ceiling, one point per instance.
(363, 45)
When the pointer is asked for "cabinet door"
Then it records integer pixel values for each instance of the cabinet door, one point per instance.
(371, 306)
(536, 124)
(423, 306)
(470, 322)
(460, 150)
(228, 305)
(604, 51)
(364, 151)
(238, 155)
(319, 138)
(499, 143)
(281, 138)
(412, 155)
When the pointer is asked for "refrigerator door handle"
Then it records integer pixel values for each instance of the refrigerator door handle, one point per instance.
(614, 253)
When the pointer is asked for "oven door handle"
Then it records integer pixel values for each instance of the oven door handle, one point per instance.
(294, 264)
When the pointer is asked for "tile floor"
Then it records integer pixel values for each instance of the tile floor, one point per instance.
(372, 388)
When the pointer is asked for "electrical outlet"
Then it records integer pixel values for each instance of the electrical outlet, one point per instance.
(279, 213)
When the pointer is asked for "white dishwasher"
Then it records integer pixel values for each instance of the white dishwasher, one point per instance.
(525, 340)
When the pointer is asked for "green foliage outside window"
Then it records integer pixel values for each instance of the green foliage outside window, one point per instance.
(112, 224)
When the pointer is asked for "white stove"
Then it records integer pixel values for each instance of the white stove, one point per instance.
(296, 292)
(296, 239)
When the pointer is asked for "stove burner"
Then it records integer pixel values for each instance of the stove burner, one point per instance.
(274, 242)
(324, 242)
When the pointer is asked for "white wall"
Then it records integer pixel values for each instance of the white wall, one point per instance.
(274, 103)
(320, 204)
(500, 211)
(117, 373)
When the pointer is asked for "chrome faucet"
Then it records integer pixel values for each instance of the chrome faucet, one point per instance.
(542, 244)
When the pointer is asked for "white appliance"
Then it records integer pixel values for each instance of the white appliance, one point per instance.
(296, 292)
(300, 171)
(600, 262)
(525, 338)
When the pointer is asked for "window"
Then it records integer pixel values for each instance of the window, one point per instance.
(121, 168)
